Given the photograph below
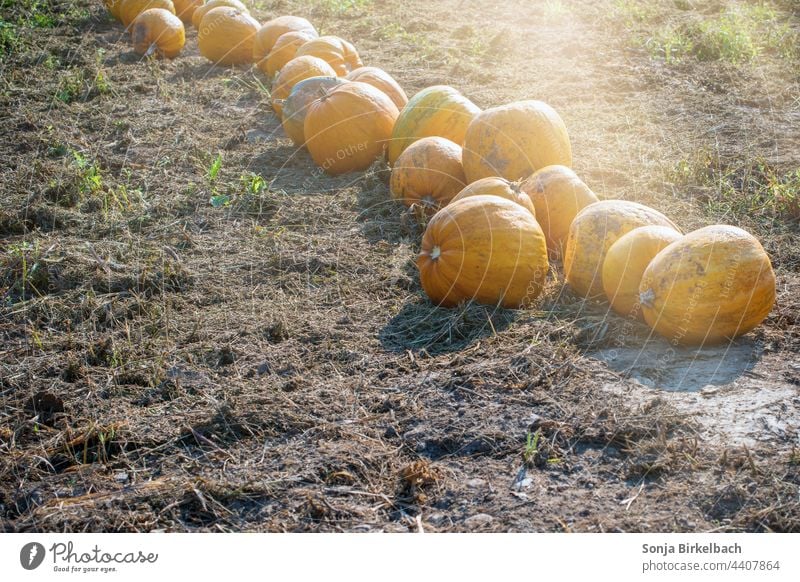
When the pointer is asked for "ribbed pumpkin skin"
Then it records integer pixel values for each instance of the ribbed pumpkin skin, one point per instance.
(712, 285)
(284, 51)
(436, 111)
(184, 9)
(626, 261)
(337, 52)
(515, 140)
(483, 248)
(130, 9)
(558, 195)
(382, 80)
(272, 30)
(348, 128)
(200, 12)
(226, 35)
(296, 105)
(296, 70)
(594, 230)
(428, 173)
(498, 187)
(159, 28)
(114, 7)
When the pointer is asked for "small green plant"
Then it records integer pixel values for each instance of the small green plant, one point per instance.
(90, 176)
(217, 199)
(71, 86)
(531, 451)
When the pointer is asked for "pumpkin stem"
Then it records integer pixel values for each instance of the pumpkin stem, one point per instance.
(646, 298)
(436, 252)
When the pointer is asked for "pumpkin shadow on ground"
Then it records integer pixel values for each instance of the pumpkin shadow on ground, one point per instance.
(658, 364)
(421, 326)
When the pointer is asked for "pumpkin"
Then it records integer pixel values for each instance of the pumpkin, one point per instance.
(594, 230)
(296, 70)
(558, 195)
(200, 11)
(296, 104)
(436, 111)
(158, 31)
(114, 6)
(710, 286)
(498, 187)
(130, 9)
(382, 80)
(348, 127)
(184, 9)
(284, 51)
(337, 52)
(515, 140)
(226, 36)
(486, 249)
(272, 30)
(626, 261)
(428, 173)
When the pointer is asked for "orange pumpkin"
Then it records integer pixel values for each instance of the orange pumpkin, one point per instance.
(296, 70)
(114, 7)
(594, 230)
(158, 31)
(284, 51)
(226, 36)
(130, 9)
(708, 287)
(626, 261)
(382, 80)
(184, 9)
(337, 52)
(558, 195)
(200, 11)
(515, 140)
(497, 187)
(486, 249)
(273, 29)
(347, 129)
(296, 105)
(436, 111)
(428, 173)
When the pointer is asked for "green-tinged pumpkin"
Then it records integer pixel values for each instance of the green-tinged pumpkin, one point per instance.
(382, 80)
(337, 52)
(296, 70)
(558, 195)
(296, 104)
(200, 11)
(428, 174)
(158, 31)
(347, 129)
(436, 111)
(514, 140)
(495, 186)
(594, 230)
(273, 29)
(626, 261)
(483, 248)
(130, 9)
(225, 36)
(708, 287)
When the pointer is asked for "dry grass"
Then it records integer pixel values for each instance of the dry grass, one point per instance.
(244, 345)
